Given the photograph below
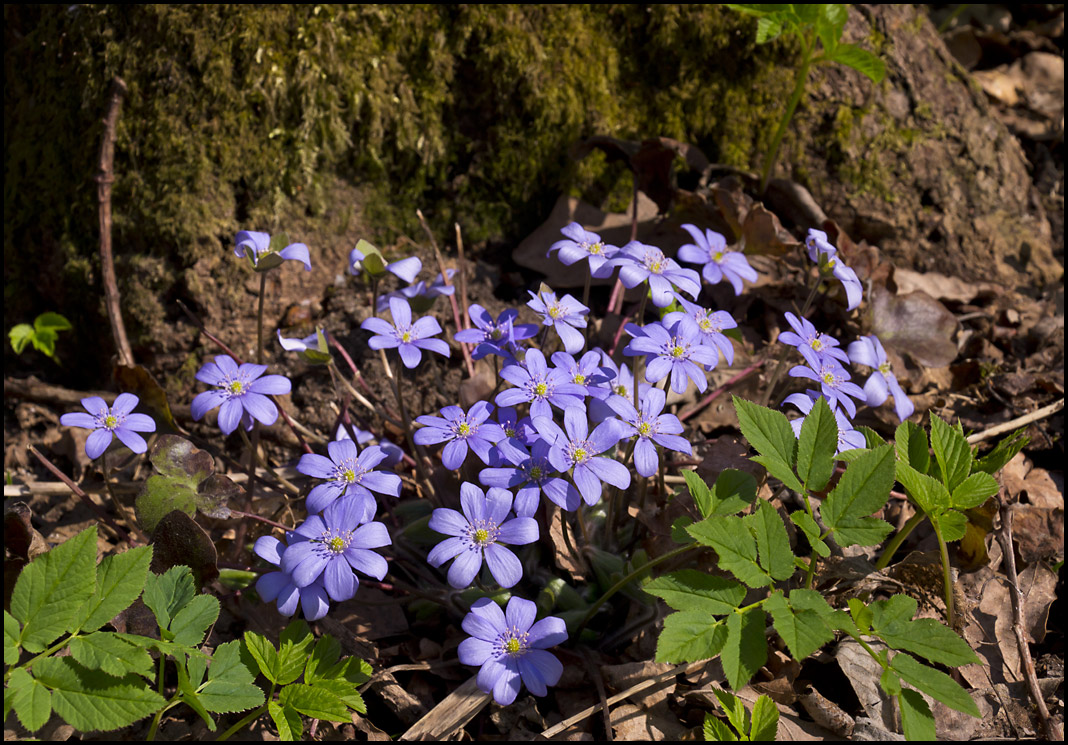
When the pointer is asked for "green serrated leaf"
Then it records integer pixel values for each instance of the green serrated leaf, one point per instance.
(767, 430)
(287, 720)
(803, 629)
(343, 690)
(264, 653)
(20, 336)
(929, 639)
(735, 546)
(324, 656)
(930, 494)
(106, 651)
(356, 671)
(31, 701)
(863, 489)
(893, 614)
(166, 593)
(192, 621)
(229, 687)
(51, 589)
(90, 700)
(912, 446)
(734, 708)
(318, 702)
(862, 615)
(811, 530)
(952, 452)
(934, 683)
(294, 645)
(974, 491)
(1002, 453)
(816, 446)
(778, 469)
(773, 545)
(765, 720)
(731, 493)
(12, 631)
(53, 321)
(691, 590)
(917, 721)
(860, 60)
(745, 650)
(44, 340)
(890, 683)
(717, 731)
(862, 531)
(690, 636)
(768, 29)
(119, 581)
(187, 690)
(951, 524)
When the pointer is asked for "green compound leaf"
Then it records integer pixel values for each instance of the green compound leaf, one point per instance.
(690, 636)
(322, 659)
(952, 451)
(802, 628)
(188, 693)
(294, 646)
(119, 580)
(717, 731)
(345, 691)
(90, 700)
(890, 683)
(893, 614)
(51, 321)
(287, 720)
(773, 545)
(934, 683)
(780, 470)
(768, 29)
(265, 655)
(917, 721)
(735, 546)
(930, 494)
(319, 702)
(811, 530)
(51, 589)
(191, 622)
(767, 430)
(230, 686)
(352, 669)
(735, 710)
(20, 336)
(1002, 453)
(106, 651)
(691, 590)
(816, 446)
(860, 60)
(862, 531)
(745, 651)
(765, 720)
(861, 614)
(974, 491)
(166, 593)
(928, 638)
(12, 631)
(731, 493)
(863, 488)
(910, 442)
(31, 701)
(951, 524)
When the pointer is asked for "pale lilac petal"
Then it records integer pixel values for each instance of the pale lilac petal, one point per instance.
(520, 613)
(313, 602)
(78, 419)
(131, 439)
(124, 404)
(474, 651)
(140, 423)
(270, 549)
(339, 580)
(271, 385)
(540, 669)
(646, 460)
(367, 562)
(406, 269)
(503, 565)
(270, 585)
(97, 443)
(876, 390)
(95, 405)
(519, 531)
(464, 569)
(450, 548)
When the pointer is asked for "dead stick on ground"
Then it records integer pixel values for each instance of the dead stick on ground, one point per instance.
(104, 179)
(1022, 421)
(1053, 731)
(448, 283)
(463, 274)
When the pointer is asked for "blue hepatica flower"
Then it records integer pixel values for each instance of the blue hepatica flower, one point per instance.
(407, 269)
(257, 246)
(479, 533)
(823, 253)
(639, 263)
(491, 336)
(279, 586)
(531, 475)
(394, 454)
(118, 420)
(327, 548)
(582, 244)
(833, 379)
(587, 372)
(868, 350)
(710, 250)
(349, 474)
(564, 315)
(537, 384)
(420, 290)
(620, 384)
(241, 393)
(710, 327)
(518, 435)
(804, 334)
(406, 337)
(461, 432)
(848, 438)
(676, 351)
(652, 428)
(510, 648)
(575, 448)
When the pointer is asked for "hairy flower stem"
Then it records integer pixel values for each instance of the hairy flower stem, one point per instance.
(808, 46)
(773, 381)
(947, 578)
(640, 319)
(246, 720)
(898, 539)
(259, 319)
(586, 301)
(416, 453)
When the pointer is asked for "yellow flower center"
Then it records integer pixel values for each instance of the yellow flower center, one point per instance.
(580, 455)
(512, 646)
(580, 379)
(620, 390)
(644, 429)
(717, 256)
(555, 311)
(535, 472)
(481, 536)
(349, 475)
(110, 421)
(406, 337)
(597, 248)
(336, 544)
(656, 267)
(677, 351)
(828, 378)
(236, 387)
(705, 324)
(817, 344)
(464, 429)
(885, 368)
(541, 389)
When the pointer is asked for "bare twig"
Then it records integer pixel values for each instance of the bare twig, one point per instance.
(448, 283)
(595, 675)
(720, 391)
(1053, 730)
(463, 275)
(104, 179)
(1015, 424)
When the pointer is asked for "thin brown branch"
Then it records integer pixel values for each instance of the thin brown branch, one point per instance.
(452, 298)
(1018, 422)
(720, 391)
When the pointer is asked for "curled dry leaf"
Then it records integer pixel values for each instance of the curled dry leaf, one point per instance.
(916, 325)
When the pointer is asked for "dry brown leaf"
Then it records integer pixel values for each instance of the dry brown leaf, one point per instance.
(632, 723)
(916, 325)
(622, 677)
(566, 559)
